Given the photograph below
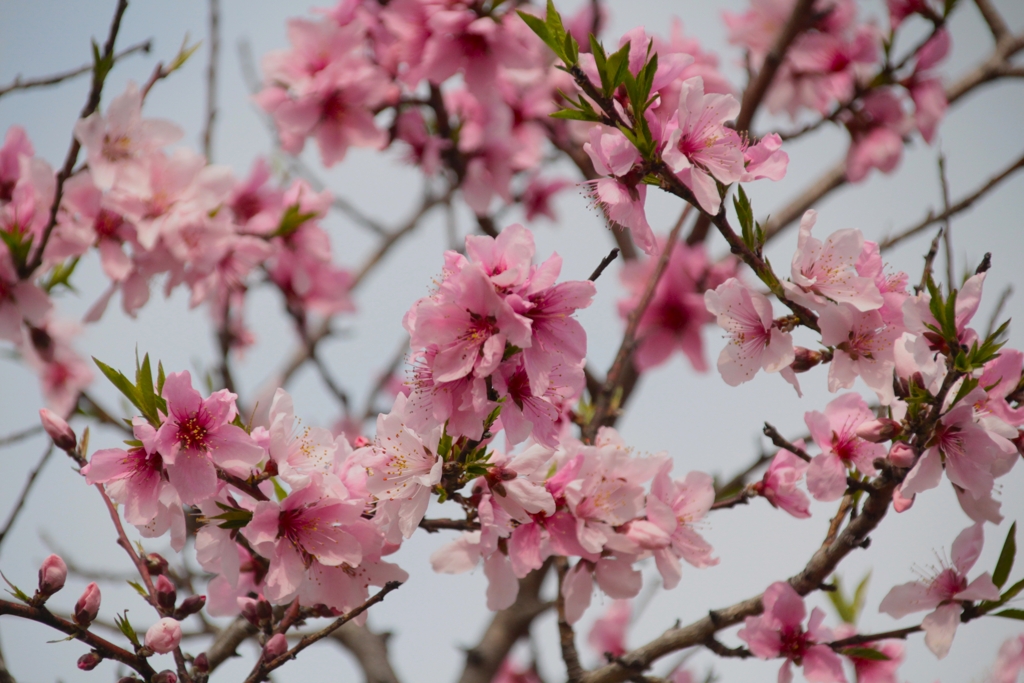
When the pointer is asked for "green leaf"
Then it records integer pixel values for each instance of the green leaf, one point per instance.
(279, 491)
(860, 596)
(126, 628)
(122, 383)
(838, 599)
(866, 653)
(291, 220)
(1006, 557)
(232, 517)
(59, 276)
(537, 25)
(617, 67)
(745, 216)
(184, 52)
(15, 591)
(576, 115)
(969, 384)
(556, 33)
(572, 49)
(1011, 614)
(19, 245)
(139, 589)
(160, 378)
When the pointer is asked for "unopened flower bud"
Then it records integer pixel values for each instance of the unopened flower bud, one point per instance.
(264, 610)
(156, 564)
(166, 595)
(52, 575)
(165, 676)
(89, 661)
(901, 455)
(805, 359)
(201, 664)
(877, 431)
(164, 635)
(360, 442)
(58, 429)
(190, 606)
(248, 609)
(276, 646)
(88, 606)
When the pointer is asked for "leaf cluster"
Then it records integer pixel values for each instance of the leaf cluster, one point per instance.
(142, 393)
(1000, 575)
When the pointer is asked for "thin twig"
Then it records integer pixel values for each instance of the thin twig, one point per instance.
(929, 260)
(264, 667)
(15, 437)
(995, 21)
(18, 84)
(605, 262)
(25, 490)
(873, 637)
(92, 103)
(434, 525)
(947, 236)
(798, 21)
(833, 528)
(567, 637)
(961, 205)
(780, 442)
(211, 80)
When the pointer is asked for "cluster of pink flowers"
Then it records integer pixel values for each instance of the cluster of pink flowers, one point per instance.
(498, 330)
(830, 68)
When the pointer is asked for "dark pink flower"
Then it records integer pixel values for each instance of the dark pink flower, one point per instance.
(835, 432)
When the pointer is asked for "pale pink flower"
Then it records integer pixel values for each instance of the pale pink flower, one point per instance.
(509, 672)
(84, 222)
(16, 145)
(197, 437)
(918, 316)
(63, 374)
(754, 341)
(27, 211)
(876, 128)
(824, 271)
(164, 636)
(765, 159)
(20, 301)
(1009, 661)
(299, 451)
(88, 605)
(699, 148)
(864, 345)
(944, 593)
(874, 670)
(779, 483)
(52, 575)
(779, 632)
(538, 195)
(117, 142)
(608, 634)
(926, 88)
(621, 195)
(835, 432)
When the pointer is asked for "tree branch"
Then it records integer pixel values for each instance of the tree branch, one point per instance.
(18, 84)
(211, 80)
(995, 21)
(370, 650)
(566, 635)
(25, 490)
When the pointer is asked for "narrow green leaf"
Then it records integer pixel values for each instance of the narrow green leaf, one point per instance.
(575, 115)
(860, 596)
(121, 382)
(618, 67)
(556, 32)
(139, 589)
(838, 600)
(15, 591)
(866, 653)
(279, 491)
(291, 220)
(1011, 614)
(126, 628)
(160, 378)
(1006, 557)
(537, 25)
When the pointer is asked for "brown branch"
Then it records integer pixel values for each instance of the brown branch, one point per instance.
(798, 21)
(263, 667)
(605, 262)
(21, 435)
(92, 103)
(211, 80)
(5, 674)
(228, 640)
(780, 442)
(958, 207)
(18, 84)
(617, 374)
(873, 637)
(104, 647)
(432, 526)
(506, 627)
(821, 564)
(947, 235)
(833, 528)
(370, 650)
(25, 490)
(566, 635)
(995, 21)
(740, 479)
(929, 260)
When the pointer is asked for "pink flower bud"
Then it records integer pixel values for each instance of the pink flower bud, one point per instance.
(805, 359)
(263, 610)
(901, 455)
(156, 564)
(52, 575)
(89, 661)
(877, 431)
(165, 676)
(164, 635)
(899, 503)
(58, 430)
(275, 647)
(190, 606)
(166, 595)
(201, 664)
(360, 442)
(248, 608)
(88, 606)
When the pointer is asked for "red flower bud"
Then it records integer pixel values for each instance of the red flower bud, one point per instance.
(805, 359)
(264, 610)
(190, 606)
(877, 431)
(165, 676)
(89, 661)
(901, 455)
(52, 575)
(88, 606)
(275, 647)
(201, 664)
(58, 430)
(248, 606)
(156, 564)
(166, 595)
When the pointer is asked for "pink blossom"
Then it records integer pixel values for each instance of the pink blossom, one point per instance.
(608, 634)
(115, 143)
(926, 88)
(621, 195)
(27, 211)
(16, 145)
(835, 432)
(164, 636)
(276, 646)
(197, 437)
(874, 670)
(765, 159)
(58, 429)
(699, 148)
(876, 131)
(63, 374)
(918, 316)
(20, 300)
(538, 195)
(754, 341)
(88, 605)
(1009, 661)
(52, 575)
(944, 593)
(779, 483)
(299, 451)
(864, 345)
(85, 222)
(779, 632)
